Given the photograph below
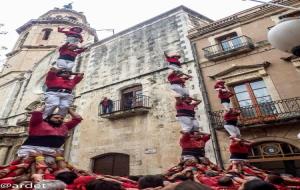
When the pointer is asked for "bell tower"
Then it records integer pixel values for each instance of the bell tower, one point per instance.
(39, 37)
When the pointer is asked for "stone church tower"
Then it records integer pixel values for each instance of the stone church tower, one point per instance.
(21, 81)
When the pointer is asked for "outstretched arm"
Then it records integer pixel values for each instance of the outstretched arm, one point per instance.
(36, 116)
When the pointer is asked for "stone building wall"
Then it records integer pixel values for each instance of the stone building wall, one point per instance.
(132, 57)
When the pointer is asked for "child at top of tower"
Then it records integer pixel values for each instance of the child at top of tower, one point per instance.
(67, 56)
(73, 34)
(223, 93)
(174, 62)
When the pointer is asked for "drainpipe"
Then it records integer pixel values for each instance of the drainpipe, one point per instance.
(207, 107)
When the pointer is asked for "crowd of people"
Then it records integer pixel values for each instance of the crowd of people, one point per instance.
(40, 164)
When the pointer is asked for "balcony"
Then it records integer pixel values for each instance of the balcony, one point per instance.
(228, 48)
(264, 114)
(139, 105)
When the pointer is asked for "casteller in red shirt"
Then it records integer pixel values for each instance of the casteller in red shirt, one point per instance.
(58, 82)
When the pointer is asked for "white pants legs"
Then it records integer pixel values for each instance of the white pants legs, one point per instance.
(59, 100)
(25, 151)
(226, 106)
(233, 130)
(174, 67)
(181, 91)
(188, 124)
(65, 64)
(72, 40)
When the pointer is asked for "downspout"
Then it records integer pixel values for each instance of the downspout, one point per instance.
(207, 107)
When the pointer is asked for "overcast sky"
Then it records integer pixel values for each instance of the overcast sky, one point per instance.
(116, 14)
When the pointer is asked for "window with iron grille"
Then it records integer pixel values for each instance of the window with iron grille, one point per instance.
(254, 99)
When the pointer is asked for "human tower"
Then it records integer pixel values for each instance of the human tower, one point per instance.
(40, 163)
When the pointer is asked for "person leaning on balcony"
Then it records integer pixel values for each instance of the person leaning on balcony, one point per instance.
(185, 108)
(223, 93)
(177, 80)
(231, 118)
(107, 105)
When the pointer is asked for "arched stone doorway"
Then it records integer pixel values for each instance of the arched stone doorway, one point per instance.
(111, 164)
(276, 156)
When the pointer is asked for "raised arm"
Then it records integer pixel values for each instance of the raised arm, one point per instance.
(36, 116)
(76, 119)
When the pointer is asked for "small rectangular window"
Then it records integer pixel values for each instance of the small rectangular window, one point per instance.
(47, 33)
(290, 15)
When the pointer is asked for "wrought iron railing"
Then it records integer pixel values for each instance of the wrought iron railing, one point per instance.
(228, 47)
(139, 101)
(263, 113)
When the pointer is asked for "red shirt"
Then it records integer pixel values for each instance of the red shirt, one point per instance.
(54, 81)
(175, 78)
(71, 33)
(223, 92)
(80, 182)
(237, 147)
(185, 109)
(65, 50)
(231, 116)
(38, 127)
(187, 141)
(173, 60)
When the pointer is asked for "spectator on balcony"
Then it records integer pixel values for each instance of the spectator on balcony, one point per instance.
(107, 105)
(177, 81)
(173, 60)
(239, 150)
(224, 94)
(128, 103)
(186, 114)
(231, 118)
(73, 34)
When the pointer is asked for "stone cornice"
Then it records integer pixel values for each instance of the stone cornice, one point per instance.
(239, 17)
(57, 10)
(51, 20)
(237, 67)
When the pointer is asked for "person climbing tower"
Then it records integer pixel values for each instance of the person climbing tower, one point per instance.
(177, 81)
(67, 55)
(59, 91)
(73, 34)
(224, 94)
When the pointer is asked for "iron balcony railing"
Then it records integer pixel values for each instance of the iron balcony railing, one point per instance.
(139, 101)
(263, 113)
(228, 47)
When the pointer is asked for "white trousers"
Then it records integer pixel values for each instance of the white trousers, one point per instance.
(60, 100)
(72, 40)
(25, 150)
(188, 124)
(233, 130)
(226, 106)
(181, 91)
(65, 64)
(174, 67)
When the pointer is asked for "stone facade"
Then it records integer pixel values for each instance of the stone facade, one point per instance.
(251, 61)
(130, 58)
